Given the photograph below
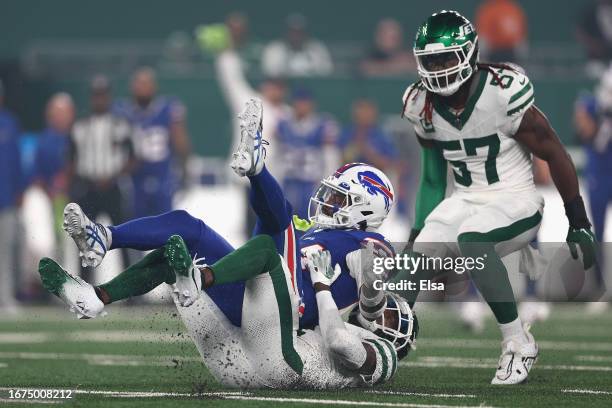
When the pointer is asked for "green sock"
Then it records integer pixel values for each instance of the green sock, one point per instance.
(257, 256)
(140, 278)
(492, 281)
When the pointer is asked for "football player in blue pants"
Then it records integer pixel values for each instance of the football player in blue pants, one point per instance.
(345, 210)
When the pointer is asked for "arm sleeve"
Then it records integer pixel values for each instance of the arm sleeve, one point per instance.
(234, 85)
(433, 184)
(345, 347)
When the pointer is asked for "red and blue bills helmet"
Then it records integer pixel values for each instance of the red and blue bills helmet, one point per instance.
(357, 195)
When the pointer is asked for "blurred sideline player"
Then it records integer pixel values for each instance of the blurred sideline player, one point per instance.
(230, 71)
(344, 221)
(480, 119)
(160, 138)
(307, 143)
(593, 120)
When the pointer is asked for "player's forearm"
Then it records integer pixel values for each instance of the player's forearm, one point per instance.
(232, 80)
(344, 346)
(563, 173)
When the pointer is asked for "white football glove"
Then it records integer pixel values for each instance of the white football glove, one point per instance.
(320, 267)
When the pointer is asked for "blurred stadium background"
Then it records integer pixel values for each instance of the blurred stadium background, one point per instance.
(348, 61)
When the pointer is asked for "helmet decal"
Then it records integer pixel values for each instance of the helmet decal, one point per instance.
(374, 185)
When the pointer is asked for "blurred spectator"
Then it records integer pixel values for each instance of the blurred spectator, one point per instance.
(307, 144)
(595, 30)
(101, 152)
(160, 139)
(388, 55)
(364, 141)
(502, 30)
(297, 54)
(238, 27)
(53, 146)
(10, 199)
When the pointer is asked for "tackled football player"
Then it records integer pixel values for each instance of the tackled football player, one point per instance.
(481, 120)
(343, 221)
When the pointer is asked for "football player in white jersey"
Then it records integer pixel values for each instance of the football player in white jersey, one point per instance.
(481, 120)
(268, 350)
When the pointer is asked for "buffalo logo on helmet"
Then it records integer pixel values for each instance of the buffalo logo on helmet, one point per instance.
(374, 185)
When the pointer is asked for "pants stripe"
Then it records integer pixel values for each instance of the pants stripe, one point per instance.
(285, 311)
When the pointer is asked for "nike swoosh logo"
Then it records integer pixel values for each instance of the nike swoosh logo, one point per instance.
(523, 81)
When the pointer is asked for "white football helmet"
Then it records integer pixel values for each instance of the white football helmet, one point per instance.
(357, 195)
(400, 325)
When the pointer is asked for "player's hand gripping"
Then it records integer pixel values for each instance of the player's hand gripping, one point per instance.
(320, 267)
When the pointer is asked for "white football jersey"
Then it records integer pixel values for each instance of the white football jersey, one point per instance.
(478, 142)
(321, 372)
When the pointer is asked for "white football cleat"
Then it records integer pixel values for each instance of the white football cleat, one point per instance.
(518, 356)
(188, 286)
(92, 239)
(79, 295)
(248, 159)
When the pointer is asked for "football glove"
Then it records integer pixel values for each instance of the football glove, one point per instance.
(583, 238)
(320, 267)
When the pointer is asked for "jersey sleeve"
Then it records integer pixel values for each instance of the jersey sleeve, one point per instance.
(517, 96)
(386, 361)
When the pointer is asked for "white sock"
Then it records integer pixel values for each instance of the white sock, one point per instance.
(109, 237)
(513, 330)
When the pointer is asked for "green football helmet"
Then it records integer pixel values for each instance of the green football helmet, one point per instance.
(446, 51)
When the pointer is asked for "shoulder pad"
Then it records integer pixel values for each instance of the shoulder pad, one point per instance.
(515, 90)
(412, 101)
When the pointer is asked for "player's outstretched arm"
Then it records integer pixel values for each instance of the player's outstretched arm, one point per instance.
(536, 133)
(346, 348)
(432, 187)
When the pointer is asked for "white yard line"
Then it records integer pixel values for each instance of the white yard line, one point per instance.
(30, 401)
(426, 343)
(104, 359)
(420, 394)
(595, 392)
(458, 362)
(242, 396)
(350, 403)
(119, 336)
(106, 336)
(597, 359)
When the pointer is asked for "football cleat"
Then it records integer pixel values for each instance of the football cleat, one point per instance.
(188, 284)
(516, 360)
(79, 295)
(92, 239)
(248, 159)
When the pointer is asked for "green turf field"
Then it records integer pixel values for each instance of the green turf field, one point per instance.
(141, 356)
